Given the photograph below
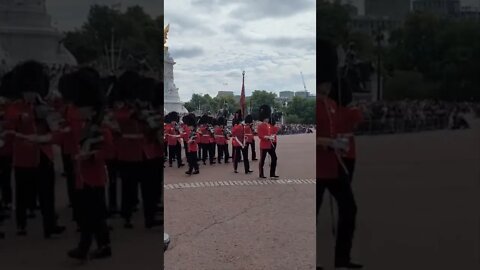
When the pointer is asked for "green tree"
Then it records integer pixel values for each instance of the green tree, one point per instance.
(139, 35)
(301, 108)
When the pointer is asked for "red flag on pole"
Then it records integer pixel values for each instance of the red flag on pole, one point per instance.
(242, 96)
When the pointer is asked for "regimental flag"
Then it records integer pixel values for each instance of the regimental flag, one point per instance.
(242, 96)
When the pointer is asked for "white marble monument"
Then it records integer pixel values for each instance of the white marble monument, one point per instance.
(171, 96)
(26, 33)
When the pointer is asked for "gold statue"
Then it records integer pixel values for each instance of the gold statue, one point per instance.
(165, 34)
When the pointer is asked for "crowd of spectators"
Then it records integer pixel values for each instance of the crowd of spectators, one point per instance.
(289, 129)
(413, 115)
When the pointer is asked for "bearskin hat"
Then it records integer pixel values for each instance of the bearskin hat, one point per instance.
(173, 116)
(6, 89)
(127, 85)
(214, 121)
(90, 93)
(205, 119)
(238, 115)
(264, 112)
(31, 76)
(248, 119)
(189, 119)
(221, 121)
(146, 89)
(167, 119)
(68, 87)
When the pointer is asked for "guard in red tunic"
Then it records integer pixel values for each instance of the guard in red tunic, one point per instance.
(221, 140)
(27, 118)
(174, 135)
(249, 135)
(239, 144)
(90, 174)
(332, 174)
(192, 138)
(266, 136)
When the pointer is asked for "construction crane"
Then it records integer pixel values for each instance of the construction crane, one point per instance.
(304, 85)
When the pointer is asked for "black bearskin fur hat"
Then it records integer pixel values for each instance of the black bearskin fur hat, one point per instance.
(248, 119)
(68, 87)
(90, 93)
(31, 76)
(205, 119)
(190, 120)
(213, 121)
(127, 85)
(238, 115)
(146, 89)
(264, 112)
(173, 116)
(221, 121)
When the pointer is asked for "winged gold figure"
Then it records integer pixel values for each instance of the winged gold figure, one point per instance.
(165, 34)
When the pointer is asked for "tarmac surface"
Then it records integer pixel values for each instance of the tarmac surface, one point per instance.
(219, 220)
(418, 202)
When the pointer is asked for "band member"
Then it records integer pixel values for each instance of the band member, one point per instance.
(89, 160)
(221, 140)
(239, 144)
(6, 146)
(211, 143)
(174, 134)
(331, 172)
(266, 136)
(193, 137)
(32, 147)
(251, 135)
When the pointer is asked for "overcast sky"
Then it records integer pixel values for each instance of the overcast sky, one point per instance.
(272, 40)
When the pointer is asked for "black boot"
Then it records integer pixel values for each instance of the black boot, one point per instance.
(348, 265)
(196, 172)
(189, 172)
(78, 254)
(102, 253)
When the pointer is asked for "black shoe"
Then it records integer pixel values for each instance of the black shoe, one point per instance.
(181, 165)
(170, 165)
(262, 176)
(54, 230)
(204, 163)
(219, 162)
(77, 254)
(153, 223)
(253, 159)
(196, 172)
(226, 162)
(21, 232)
(213, 162)
(274, 176)
(247, 172)
(235, 171)
(102, 253)
(188, 172)
(348, 265)
(128, 225)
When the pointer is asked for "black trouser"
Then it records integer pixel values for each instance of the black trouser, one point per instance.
(92, 217)
(42, 177)
(112, 168)
(69, 175)
(273, 165)
(192, 161)
(131, 172)
(165, 149)
(350, 164)
(237, 153)
(175, 151)
(211, 152)
(205, 151)
(222, 152)
(254, 153)
(185, 148)
(5, 179)
(149, 179)
(341, 190)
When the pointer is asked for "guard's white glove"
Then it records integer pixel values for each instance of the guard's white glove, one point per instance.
(340, 144)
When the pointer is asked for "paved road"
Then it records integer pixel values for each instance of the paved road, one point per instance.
(138, 249)
(220, 220)
(418, 199)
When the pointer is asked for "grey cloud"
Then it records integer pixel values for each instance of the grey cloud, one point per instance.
(255, 9)
(187, 52)
(188, 24)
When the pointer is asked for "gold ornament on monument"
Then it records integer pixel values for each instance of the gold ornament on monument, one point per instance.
(165, 35)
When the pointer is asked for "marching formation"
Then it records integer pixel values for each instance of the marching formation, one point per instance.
(212, 139)
(108, 129)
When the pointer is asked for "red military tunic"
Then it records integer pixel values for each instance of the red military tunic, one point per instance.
(172, 135)
(248, 134)
(193, 145)
(128, 149)
(264, 130)
(327, 162)
(238, 135)
(219, 136)
(20, 117)
(349, 118)
(92, 171)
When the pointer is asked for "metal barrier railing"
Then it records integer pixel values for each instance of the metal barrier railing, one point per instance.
(391, 126)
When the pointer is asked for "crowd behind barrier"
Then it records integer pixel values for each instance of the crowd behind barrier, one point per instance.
(290, 129)
(414, 116)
